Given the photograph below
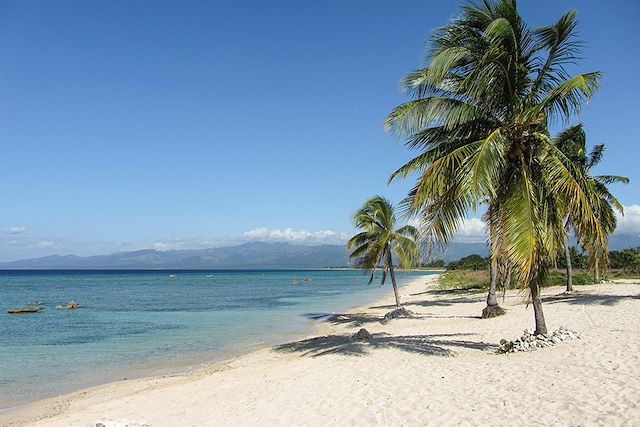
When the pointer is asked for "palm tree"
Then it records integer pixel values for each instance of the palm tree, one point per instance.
(572, 142)
(479, 115)
(380, 241)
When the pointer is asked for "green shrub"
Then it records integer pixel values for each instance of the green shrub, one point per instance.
(471, 262)
(628, 259)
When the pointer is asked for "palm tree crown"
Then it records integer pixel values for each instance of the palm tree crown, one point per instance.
(480, 114)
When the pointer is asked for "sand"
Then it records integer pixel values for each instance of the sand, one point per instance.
(442, 368)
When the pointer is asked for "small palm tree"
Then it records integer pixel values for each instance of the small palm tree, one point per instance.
(573, 143)
(379, 241)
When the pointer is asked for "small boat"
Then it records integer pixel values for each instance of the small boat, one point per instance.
(294, 283)
(209, 275)
(173, 276)
(26, 310)
(71, 305)
(308, 279)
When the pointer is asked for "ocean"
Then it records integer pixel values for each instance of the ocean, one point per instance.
(136, 323)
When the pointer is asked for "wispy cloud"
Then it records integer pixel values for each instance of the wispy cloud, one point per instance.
(173, 243)
(296, 236)
(47, 244)
(15, 230)
(630, 222)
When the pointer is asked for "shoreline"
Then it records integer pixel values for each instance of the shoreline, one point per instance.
(441, 367)
(49, 406)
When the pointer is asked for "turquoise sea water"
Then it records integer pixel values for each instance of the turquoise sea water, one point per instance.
(135, 323)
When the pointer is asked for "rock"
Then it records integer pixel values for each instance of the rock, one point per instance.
(361, 335)
(398, 313)
(26, 310)
(71, 305)
(492, 311)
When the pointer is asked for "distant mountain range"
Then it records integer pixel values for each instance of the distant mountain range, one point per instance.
(253, 255)
(246, 256)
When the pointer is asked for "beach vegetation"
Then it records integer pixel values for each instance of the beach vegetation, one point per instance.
(470, 262)
(627, 260)
(479, 280)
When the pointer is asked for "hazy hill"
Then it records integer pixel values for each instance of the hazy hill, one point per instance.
(258, 255)
(248, 255)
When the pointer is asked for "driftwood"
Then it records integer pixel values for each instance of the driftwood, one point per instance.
(26, 310)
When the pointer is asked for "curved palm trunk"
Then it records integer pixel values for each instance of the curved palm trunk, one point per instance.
(491, 297)
(541, 326)
(393, 278)
(567, 255)
(493, 309)
(596, 273)
(507, 282)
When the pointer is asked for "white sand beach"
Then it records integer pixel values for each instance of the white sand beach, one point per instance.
(442, 368)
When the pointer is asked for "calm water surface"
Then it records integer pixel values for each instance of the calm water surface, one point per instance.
(144, 322)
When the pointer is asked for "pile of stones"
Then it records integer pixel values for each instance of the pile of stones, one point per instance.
(398, 313)
(529, 342)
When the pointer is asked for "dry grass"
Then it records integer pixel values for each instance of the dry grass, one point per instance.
(464, 280)
(479, 279)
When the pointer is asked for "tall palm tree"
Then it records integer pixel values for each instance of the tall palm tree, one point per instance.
(479, 115)
(380, 241)
(573, 143)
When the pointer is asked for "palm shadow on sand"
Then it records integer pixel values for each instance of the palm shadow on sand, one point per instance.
(444, 302)
(579, 298)
(351, 319)
(427, 345)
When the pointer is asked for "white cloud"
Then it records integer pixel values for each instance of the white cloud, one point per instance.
(630, 222)
(159, 246)
(472, 230)
(15, 230)
(46, 244)
(295, 236)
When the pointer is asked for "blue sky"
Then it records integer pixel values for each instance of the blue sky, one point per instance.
(187, 124)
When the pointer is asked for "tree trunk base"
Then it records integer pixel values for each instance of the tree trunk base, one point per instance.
(493, 311)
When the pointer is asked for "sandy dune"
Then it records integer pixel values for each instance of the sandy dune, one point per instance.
(442, 368)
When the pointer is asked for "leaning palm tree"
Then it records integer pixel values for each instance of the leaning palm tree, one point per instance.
(480, 114)
(380, 241)
(573, 143)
